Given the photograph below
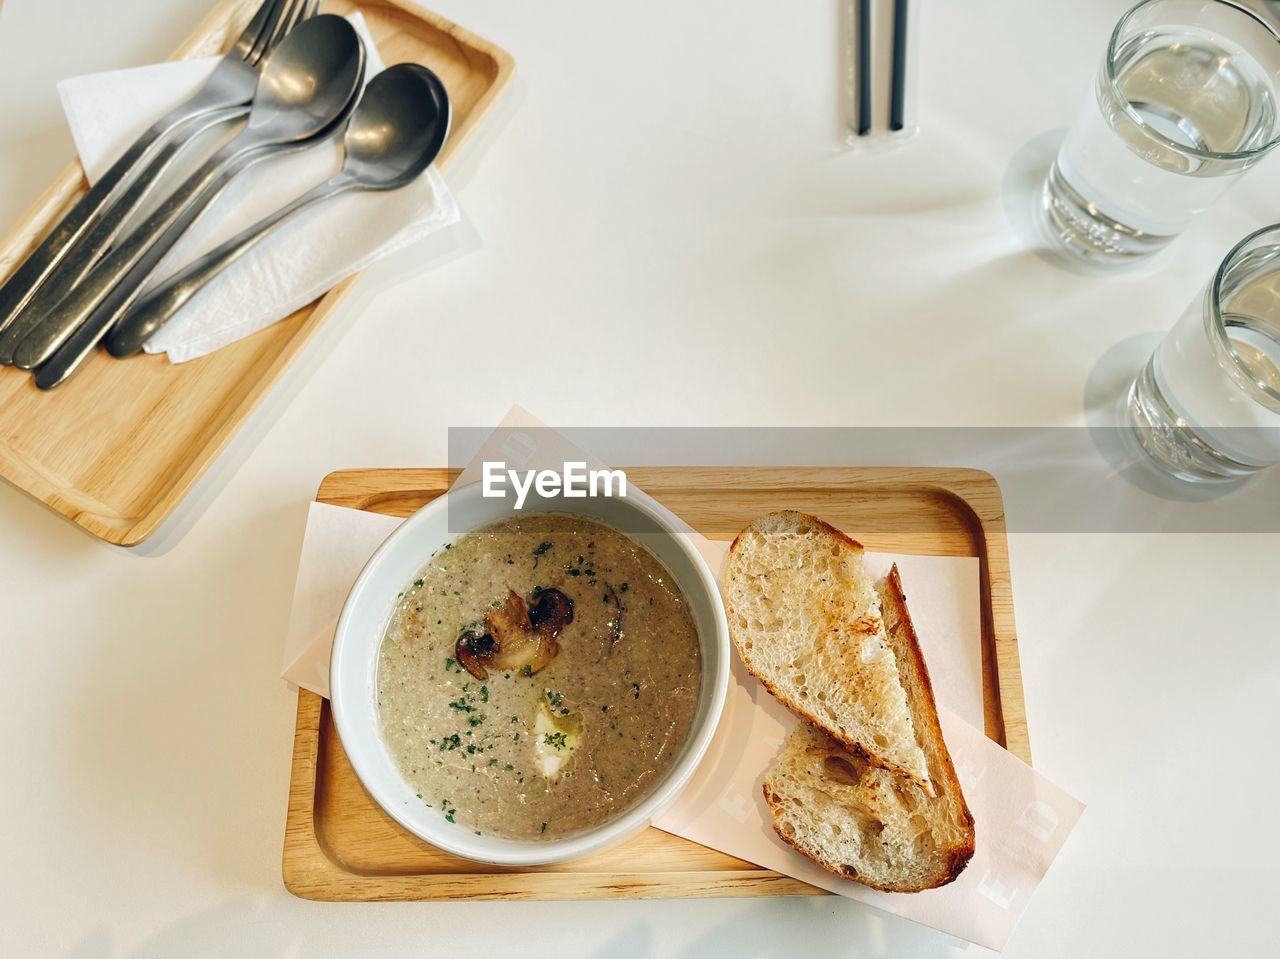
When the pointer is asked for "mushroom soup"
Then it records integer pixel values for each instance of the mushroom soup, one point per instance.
(538, 678)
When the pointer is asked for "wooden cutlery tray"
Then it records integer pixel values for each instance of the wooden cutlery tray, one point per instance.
(116, 448)
(339, 845)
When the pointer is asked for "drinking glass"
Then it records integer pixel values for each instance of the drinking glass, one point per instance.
(1184, 103)
(1206, 407)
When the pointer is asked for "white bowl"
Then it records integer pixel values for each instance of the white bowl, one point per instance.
(364, 620)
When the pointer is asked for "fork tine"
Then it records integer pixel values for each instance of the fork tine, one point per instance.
(306, 10)
(291, 18)
(254, 29)
(262, 45)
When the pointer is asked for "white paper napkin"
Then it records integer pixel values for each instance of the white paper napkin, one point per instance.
(303, 259)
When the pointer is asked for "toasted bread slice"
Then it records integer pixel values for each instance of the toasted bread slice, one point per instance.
(806, 621)
(866, 823)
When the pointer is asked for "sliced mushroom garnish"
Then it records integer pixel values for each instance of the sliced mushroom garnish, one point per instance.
(472, 647)
(511, 640)
(551, 612)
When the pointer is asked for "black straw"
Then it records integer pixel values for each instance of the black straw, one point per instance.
(864, 67)
(897, 104)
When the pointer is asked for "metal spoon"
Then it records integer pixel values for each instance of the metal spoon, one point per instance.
(394, 134)
(307, 88)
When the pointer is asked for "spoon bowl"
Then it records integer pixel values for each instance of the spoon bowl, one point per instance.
(308, 81)
(398, 127)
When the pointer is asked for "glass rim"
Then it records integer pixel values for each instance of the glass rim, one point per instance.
(1238, 371)
(1113, 85)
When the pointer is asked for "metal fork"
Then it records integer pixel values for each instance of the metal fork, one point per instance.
(88, 228)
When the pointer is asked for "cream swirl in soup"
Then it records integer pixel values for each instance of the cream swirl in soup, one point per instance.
(538, 678)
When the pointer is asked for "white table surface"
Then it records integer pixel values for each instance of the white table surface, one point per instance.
(664, 197)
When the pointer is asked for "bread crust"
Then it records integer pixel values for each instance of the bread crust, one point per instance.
(850, 745)
(946, 771)
(941, 769)
(808, 518)
(943, 784)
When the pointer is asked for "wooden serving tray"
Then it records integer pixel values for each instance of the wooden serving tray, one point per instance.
(116, 448)
(340, 846)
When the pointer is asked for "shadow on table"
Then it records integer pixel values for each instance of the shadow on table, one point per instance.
(791, 926)
(782, 928)
(1021, 193)
(237, 927)
(1105, 408)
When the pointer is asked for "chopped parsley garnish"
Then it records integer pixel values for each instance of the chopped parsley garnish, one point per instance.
(461, 705)
(527, 671)
(538, 552)
(476, 719)
(556, 740)
(417, 584)
(450, 742)
(554, 698)
(484, 694)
